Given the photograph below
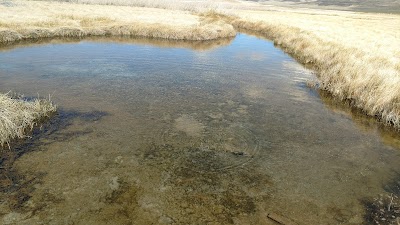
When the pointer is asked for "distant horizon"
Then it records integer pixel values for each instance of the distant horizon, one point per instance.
(382, 6)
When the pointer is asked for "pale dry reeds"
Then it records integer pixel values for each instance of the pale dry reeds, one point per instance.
(185, 5)
(33, 20)
(17, 116)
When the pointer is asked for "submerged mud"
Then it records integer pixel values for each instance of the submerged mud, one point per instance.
(151, 135)
(16, 188)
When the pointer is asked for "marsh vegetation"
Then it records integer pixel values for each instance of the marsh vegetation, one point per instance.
(198, 123)
(18, 116)
(355, 55)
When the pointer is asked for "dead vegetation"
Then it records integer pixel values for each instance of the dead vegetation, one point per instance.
(385, 209)
(355, 56)
(34, 20)
(17, 116)
(193, 6)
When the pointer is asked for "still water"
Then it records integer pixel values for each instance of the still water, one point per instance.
(158, 132)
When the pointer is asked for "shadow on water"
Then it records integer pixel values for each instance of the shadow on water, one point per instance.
(16, 187)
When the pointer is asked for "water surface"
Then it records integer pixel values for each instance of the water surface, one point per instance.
(160, 132)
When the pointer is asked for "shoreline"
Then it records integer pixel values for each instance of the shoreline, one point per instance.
(353, 54)
(368, 78)
(54, 19)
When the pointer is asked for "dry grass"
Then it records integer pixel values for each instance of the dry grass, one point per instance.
(185, 5)
(356, 56)
(18, 116)
(33, 20)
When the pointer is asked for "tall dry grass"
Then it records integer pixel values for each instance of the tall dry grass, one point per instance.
(356, 56)
(185, 5)
(33, 20)
(17, 116)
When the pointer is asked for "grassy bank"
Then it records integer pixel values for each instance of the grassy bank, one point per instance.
(17, 116)
(32, 20)
(356, 56)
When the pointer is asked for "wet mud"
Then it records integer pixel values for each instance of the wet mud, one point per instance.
(15, 188)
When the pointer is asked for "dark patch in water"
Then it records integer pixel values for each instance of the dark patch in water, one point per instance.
(46, 198)
(19, 193)
(18, 187)
(342, 215)
(384, 209)
(208, 191)
(121, 204)
(394, 186)
(52, 130)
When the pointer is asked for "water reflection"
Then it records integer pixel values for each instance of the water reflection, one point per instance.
(224, 136)
(388, 134)
(161, 43)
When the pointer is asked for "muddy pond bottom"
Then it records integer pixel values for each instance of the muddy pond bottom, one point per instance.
(158, 132)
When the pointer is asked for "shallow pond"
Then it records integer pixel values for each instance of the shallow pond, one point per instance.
(159, 132)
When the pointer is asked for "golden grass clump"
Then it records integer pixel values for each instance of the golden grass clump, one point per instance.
(17, 116)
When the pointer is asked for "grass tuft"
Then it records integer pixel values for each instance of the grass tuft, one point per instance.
(17, 116)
